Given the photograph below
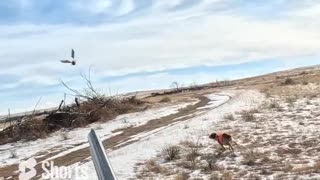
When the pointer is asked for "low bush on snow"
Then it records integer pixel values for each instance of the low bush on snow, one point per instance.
(171, 153)
(248, 116)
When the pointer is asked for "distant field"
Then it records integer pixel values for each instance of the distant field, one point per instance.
(274, 118)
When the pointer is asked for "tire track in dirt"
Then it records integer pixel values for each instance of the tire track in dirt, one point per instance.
(120, 140)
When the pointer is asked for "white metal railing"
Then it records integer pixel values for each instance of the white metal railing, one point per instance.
(99, 157)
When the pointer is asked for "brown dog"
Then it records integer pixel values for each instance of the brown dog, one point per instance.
(223, 139)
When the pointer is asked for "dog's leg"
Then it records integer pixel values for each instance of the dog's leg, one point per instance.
(223, 148)
(230, 147)
(235, 142)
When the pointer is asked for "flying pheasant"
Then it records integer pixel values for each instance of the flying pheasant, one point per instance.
(73, 62)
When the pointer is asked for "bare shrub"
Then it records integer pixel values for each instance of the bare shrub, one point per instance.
(153, 166)
(229, 117)
(287, 167)
(28, 129)
(13, 154)
(254, 111)
(275, 105)
(175, 85)
(171, 153)
(227, 175)
(210, 163)
(165, 99)
(313, 96)
(266, 91)
(288, 81)
(316, 167)
(291, 99)
(193, 149)
(193, 154)
(250, 157)
(187, 143)
(182, 176)
(39, 127)
(150, 168)
(305, 82)
(247, 116)
(284, 151)
(303, 73)
(215, 176)
(308, 102)
(64, 136)
(254, 176)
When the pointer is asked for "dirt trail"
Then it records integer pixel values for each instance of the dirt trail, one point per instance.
(116, 141)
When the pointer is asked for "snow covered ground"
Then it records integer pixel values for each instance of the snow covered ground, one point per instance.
(124, 160)
(281, 141)
(68, 141)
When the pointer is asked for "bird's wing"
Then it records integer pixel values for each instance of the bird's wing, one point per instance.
(72, 53)
(65, 61)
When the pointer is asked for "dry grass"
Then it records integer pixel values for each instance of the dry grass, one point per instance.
(229, 117)
(150, 168)
(248, 116)
(316, 167)
(291, 99)
(305, 82)
(64, 136)
(165, 100)
(210, 163)
(275, 105)
(227, 175)
(187, 143)
(192, 155)
(13, 154)
(182, 176)
(153, 166)
(288, 81)
(103, 109)
(171, 153)
(250, 157)
(215, 176)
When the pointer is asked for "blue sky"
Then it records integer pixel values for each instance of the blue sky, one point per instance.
(138, 45)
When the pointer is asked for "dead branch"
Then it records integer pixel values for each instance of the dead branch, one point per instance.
(62, 101)
(76, 92)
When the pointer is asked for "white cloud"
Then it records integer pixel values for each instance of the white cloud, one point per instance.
(92, 6)
(126, 7)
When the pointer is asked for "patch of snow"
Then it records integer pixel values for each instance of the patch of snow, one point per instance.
(124, 159)
(215, 100)
(78, 137)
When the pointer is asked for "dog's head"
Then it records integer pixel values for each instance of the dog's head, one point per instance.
(213, 136)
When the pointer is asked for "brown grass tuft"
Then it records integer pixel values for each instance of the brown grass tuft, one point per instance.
(182, 176)
(13, 154)
(288, 81)
(229, 117)
(64, 136)
(165, 100)
(248, 116)
(152, 166)
(171, 153)
(250, 157)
